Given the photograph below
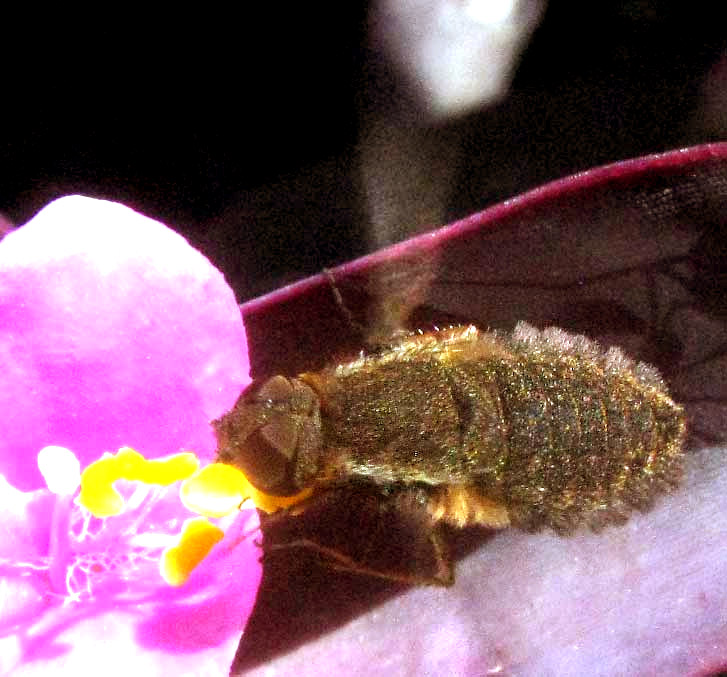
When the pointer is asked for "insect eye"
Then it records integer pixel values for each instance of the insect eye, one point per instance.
(269, 450)
(281, 435)
(264, 463)
(277, 389)
(263, 434)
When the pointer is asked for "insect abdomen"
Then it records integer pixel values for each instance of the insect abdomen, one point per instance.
(590, 434)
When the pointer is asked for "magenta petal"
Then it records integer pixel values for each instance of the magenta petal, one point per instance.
(138, 622)
(113, 331)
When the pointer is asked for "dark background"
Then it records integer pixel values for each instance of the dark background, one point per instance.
(239, 132)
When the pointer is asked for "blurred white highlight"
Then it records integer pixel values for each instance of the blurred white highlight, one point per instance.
(489, 11)
(459, 55)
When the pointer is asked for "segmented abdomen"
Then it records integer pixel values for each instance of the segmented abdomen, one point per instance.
(589, 435)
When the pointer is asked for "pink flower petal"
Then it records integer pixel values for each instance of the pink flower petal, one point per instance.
(113, 331)
(152, 628)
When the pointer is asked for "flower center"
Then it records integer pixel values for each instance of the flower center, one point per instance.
(126, 516)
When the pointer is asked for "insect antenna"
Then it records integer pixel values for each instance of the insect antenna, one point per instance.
(341, 304)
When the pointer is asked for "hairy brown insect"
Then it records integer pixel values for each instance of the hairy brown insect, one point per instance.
(533, 429)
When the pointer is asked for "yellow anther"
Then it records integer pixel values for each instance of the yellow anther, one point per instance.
(100, 498)
(198, 537)
(164, 471)
(98, 495)
(218, 489)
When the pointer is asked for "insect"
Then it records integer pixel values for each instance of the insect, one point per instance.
(461, 427)
(526, 428)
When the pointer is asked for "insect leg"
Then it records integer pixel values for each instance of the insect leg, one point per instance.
(345, 310)
(388, 534)
(339, 561)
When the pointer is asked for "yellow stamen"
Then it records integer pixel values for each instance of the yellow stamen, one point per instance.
(197, 539)
(100, 498)
(218, 489)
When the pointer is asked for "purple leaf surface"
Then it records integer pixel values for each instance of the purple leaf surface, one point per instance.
(631, 255)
